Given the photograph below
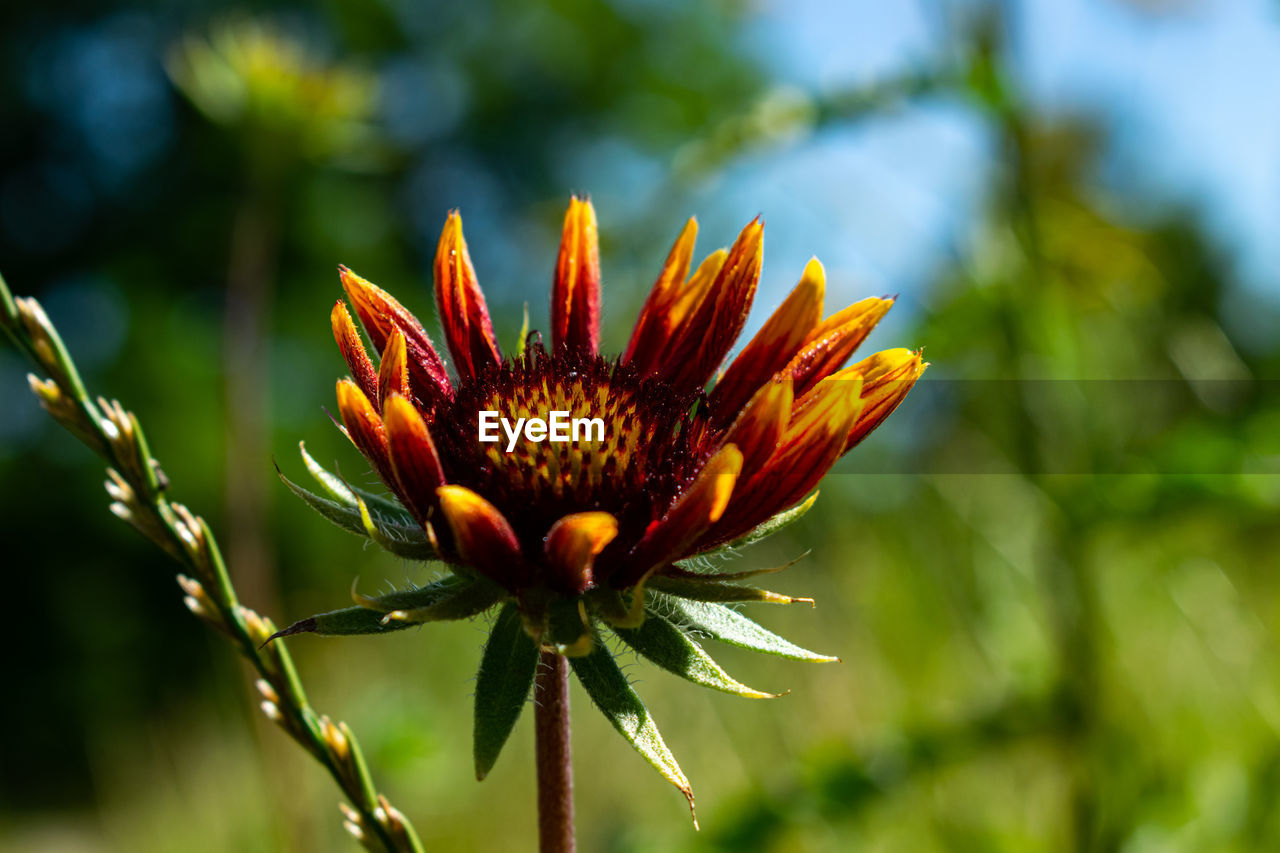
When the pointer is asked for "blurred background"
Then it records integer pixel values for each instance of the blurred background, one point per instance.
(1047, 576)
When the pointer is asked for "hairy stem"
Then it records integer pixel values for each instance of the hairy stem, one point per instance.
(554, 757)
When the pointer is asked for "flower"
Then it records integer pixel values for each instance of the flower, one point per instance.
(601, 533)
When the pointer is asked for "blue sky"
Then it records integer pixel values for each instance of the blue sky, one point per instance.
(1192, 93)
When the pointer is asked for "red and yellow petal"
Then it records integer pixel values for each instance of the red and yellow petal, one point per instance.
(774, 345)
(393, 370)
(833, 341)
(715, 323)
(364, 428)
(654, 358)
(572, 546)
(414, 459)
(813, 441)
(482, 537)
(655, 323)
(575, 291)
(700, 506)
(886, 378)
(761, 425)
(381, 313)
(463, 312)
(353, 351)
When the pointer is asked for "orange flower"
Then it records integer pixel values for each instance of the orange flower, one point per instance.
(659, 482)
(594, 533)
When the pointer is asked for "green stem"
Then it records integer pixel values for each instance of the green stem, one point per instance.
(554, 756)
(138, 489)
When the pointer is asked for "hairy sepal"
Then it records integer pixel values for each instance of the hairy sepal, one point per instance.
(398, 534)
(506, 674)
(666, 645)
(729, 626)
(714, 589)
(453, 597)
(471, 596)
(346, 494)
(608, 688)
(758, 533)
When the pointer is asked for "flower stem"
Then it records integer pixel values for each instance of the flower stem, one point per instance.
(554, 757)
(138, 490)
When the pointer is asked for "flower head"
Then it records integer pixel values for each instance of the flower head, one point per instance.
(596, 532)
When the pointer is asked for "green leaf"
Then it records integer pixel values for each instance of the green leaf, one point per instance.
(10, 308)
(400, 536)
(381, 532)
(473, 595)
(729, 626)
(713, 589)
(330, 482)
(608, 688)
(421, 596)
(349, 621)
(348, 495)
(502, 686)
(452, 597)
(670, 648)
(523, 340)
(759, 532)
(704, 571)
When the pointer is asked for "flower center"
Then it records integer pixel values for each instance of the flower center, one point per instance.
(651, 445)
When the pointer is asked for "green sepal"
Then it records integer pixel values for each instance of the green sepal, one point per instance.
(401, 536)
(420, 596)
(673, 650)
(382, 532)
(567, 628)
(705, 573)
(758, 533)
(713, 589)
(608, 688)
(347, 622)
(453, 597)
(618, 611)
(471, 595)
(507, 669)
(348, 495)
(523, 340)
(10, 308)
(729, 626)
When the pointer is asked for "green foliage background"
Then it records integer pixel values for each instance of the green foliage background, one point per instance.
(1050, 577)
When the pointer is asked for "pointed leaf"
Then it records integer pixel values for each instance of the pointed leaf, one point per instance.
(710, 589)
(402, 539)
(761, 531)
(346, 494)
(502, 686)
(608, 688)
(332, 484)
(349, 621)
(706, 572)
(389, 535)
(524, 333)
(348, 518)
(473, 595)
(729, 626)
(670, 648)
(9, 307)
(420, 596)
(369, 617)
